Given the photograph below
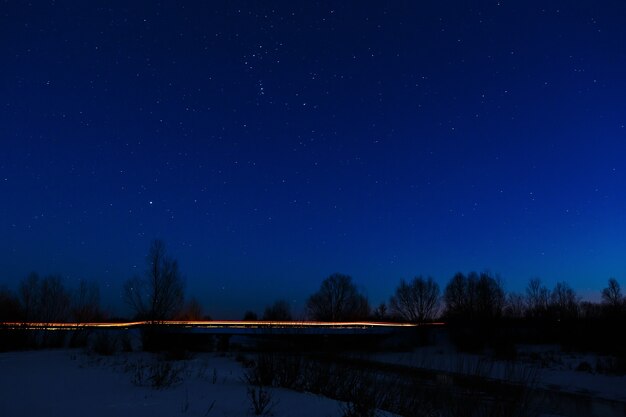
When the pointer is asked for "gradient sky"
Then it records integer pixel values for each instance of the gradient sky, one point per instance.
(270, 144)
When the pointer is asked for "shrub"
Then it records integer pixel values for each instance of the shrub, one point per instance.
(157, 375)
(612, 366)
(262, 372)
(361, 396)
(164, 375)
(261, 400)
(104, 344)
(584, 366)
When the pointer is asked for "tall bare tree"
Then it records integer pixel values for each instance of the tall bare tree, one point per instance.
(250, 316)
(279, 311)
(159, 295)
(490, 295)
(338, 300)
(30, 296)
(612, 295)
(10, 308)
(55, 300)
(85, 306)
(456, 298)
(416, 301)
(192, 310)
(563, 301)
(515, 306)
(45, 300)
(474, 296)
(380, 312)
(537, 298)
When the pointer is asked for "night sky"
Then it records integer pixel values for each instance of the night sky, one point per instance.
(270, 144)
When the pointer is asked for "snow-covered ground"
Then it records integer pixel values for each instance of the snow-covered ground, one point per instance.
(558, 373)
(70, 383)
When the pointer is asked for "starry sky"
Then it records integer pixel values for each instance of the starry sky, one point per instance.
(270, 144)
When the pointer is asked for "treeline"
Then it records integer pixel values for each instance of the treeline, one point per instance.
(48, 300)
(477, 309)
(159, 295)
(480, 314)
(466, 297)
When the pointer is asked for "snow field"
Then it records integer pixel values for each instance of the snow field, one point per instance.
(70, 383)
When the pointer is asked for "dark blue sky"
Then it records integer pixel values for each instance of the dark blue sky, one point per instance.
(270, 144)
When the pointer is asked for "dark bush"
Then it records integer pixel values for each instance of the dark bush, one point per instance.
(261, 400)
(612, 366)
(159, 374)
(361, 396)
(104, 343)
(584, 367)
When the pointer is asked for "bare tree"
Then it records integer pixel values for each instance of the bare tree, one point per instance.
(380, 312)
(192, 310)
(159, 296)
(515, 306)
(416, 301)
(490, 296)
(456, 297)
(564, 301)
(474, 296)
(55, 300)
(279, 311)
(590, 310)
(250, 316)
(44, 300)
(612, 295)
(30, 296)
(537, 298)
(85, 306)
(474, 304)
(338, 300)
(10, 308)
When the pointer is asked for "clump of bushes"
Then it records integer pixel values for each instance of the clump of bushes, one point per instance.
(104, 344)
(158, 374)
(260, 400)
(275, 371)
(365, 391)
(584, 366)
(612, 365)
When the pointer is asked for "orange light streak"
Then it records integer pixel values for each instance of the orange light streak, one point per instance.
(210, 324)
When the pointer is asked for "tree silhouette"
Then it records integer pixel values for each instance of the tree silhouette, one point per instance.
(613, 302)
(416, 301)
(250, 316)
(474, 296)
(490, 296)
(44, 300)
(192, 310)
(456, 296)
(380, 312)
(158, 296)
(537, 298)
(515, 306)
(85, 306)
(279, 311)
(612, 295)
(29, 291)
(10, 308)
(564, 301)
(338, 300)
